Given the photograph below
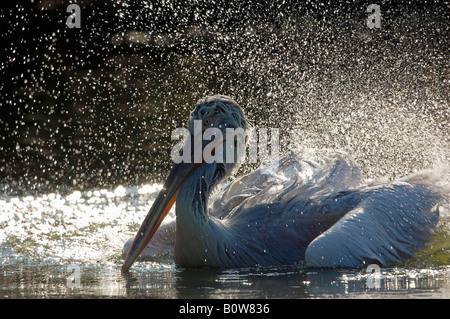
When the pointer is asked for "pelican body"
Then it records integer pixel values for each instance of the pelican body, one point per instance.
(314, 210)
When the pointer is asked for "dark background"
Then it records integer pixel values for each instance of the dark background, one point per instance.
(94, 107)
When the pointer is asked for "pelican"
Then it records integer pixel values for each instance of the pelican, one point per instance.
(315, 210)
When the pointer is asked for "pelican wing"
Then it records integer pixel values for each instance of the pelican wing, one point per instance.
(277, 213)
(390, 223)
(291, 179)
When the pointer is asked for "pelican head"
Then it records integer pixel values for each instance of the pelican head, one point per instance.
(219, 113)
(212, 116)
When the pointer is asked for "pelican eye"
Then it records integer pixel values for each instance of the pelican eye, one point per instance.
(208, 121)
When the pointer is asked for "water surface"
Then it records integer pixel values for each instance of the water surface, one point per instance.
(47, 238)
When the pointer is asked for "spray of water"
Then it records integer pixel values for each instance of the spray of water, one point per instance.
(84, 110)
(95, 105)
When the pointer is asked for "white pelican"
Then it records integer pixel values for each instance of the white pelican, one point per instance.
(314, 210)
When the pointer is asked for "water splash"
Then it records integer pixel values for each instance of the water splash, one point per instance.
(103, 116)
(86, 227)
(87, 113)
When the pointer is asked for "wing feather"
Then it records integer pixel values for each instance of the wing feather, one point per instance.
(389, 224)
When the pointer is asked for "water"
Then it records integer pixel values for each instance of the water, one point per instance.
(86, 116)
(44, 235)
